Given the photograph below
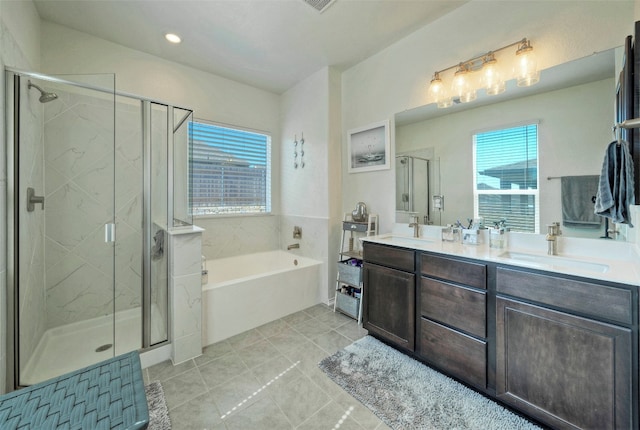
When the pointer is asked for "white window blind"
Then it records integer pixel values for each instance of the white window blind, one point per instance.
(230, 170)
(506, 177)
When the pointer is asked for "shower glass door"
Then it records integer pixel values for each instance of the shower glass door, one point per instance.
(64, 217)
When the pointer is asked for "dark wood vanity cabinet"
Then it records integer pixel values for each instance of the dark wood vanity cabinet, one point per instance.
(389, 294)
(452, 315)
(566, 370)
(562, 350)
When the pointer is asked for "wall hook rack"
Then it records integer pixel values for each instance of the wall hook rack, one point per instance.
(302, 150)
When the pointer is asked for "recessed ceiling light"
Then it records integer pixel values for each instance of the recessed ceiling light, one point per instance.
(173, 38)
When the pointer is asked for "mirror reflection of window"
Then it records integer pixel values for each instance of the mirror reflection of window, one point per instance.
(506, 177)
(412, 186)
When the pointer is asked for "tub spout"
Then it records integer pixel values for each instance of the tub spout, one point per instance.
(293, 246)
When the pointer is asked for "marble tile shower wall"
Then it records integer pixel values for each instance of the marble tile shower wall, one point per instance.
(79, 163)
(159, 294)
(128, 206)
(32, 299)
(186, 301)
(228, 237)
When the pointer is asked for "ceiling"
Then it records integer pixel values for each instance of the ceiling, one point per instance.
(269, 44)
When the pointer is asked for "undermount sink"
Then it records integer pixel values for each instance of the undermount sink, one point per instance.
(405, 240)
(558, 262)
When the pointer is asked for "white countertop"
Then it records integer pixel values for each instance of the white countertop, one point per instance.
(590, 258)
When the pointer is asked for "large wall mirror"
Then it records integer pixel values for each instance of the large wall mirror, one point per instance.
(573, 107)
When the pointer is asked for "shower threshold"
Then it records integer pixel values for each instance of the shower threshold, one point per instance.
(73, 346)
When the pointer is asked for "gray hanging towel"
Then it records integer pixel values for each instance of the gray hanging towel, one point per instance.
(615, 188)
(577, 201)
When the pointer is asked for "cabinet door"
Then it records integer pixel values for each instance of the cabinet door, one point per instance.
(567, 371)
(389, 304)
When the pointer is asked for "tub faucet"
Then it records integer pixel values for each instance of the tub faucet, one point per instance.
(416, 226)
(552, 238)
(293, 246)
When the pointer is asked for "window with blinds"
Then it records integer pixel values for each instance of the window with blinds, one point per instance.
(230, 170)
(506, 177)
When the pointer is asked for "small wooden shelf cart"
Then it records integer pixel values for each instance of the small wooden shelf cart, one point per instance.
(348, 297)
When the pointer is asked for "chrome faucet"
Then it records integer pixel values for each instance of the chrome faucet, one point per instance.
(416, 226)
(293, 246)
(552, 238)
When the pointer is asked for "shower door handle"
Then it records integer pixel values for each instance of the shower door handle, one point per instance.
(32, 200)
(109, 232)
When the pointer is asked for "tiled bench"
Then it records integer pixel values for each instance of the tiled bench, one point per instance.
(106, 395)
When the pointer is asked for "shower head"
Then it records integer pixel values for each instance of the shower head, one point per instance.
(403, 158)
(44, 96)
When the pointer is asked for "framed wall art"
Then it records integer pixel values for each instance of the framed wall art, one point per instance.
(369, 148)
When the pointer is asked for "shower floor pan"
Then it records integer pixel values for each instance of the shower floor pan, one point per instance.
(73, 346)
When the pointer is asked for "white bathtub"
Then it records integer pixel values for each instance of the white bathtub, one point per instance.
(250, 290)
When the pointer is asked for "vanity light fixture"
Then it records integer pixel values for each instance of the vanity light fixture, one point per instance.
(493, 78)
(173, 38)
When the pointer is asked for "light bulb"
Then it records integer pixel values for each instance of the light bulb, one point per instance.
(492, 79)
(461, 87)
(526, 65)
(436, 89)
(438, 93)
(173, 38)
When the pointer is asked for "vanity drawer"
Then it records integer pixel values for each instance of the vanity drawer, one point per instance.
(403, 259)
(596, 300)
(463, 356)
(459, 307)
(463, 272)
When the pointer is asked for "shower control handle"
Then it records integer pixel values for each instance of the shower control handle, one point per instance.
(32, 200)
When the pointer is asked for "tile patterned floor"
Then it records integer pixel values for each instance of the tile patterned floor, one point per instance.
(267, 378)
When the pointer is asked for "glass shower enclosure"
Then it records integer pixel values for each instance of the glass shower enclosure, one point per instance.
(412, 185)
(90, 201)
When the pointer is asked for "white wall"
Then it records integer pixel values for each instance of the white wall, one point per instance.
(308, 192)
(396, 79)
